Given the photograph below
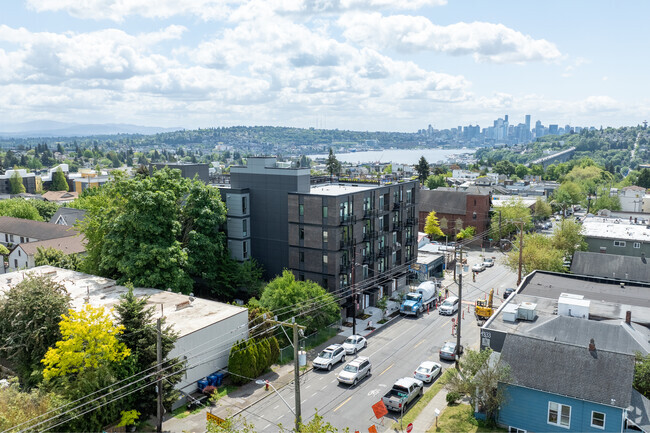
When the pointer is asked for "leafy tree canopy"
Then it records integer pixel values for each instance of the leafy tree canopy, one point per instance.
(436, 180)
(16, 184)
(512, 213)
(422, 168)
(19, 407)
(19, 208)
(466, 233)
(59, 182)
(568, 237)
(642, 374)
(538, 254)
(542, 209)
(432, 226)
(46, 209)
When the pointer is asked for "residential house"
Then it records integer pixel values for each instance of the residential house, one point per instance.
(22, 257)
(632, 198)
(60, 196)
(15, 231)
(456, 209)
(67, 216)
(630, 237)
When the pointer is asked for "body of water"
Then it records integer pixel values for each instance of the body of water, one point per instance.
(398, 156)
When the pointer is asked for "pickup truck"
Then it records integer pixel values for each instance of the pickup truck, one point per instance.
(404, 392)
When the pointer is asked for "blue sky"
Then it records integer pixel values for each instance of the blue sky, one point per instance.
(348, 64)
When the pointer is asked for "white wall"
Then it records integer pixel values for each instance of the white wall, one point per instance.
(21, 258)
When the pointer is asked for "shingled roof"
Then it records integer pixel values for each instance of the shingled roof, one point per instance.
(443, 201)
(569, 370)
(67, 216)
(34, 229)
(68, 244)
(611, 266)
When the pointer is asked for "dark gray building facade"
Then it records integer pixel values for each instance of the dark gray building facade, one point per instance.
(187, 170)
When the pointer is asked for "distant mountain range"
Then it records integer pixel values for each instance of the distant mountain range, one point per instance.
(49, 128)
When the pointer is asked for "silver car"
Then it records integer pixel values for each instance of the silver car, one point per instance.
(354, 343)
(356, 370)
(330, 356)
(427, 371)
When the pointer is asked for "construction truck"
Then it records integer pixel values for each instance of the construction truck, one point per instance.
(483, 309)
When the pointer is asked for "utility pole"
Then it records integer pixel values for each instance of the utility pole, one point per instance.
(499, 229)
(455, 262)
(460, 304)
(159, 375)
(296, 374)
(521, 250)
(354, 290)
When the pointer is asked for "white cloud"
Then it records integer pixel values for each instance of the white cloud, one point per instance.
(485, 41)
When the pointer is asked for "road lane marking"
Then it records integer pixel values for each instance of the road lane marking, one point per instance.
(314, 394)
(421, 341)
(304, 401)
(280, 417)
(387, 368)
(339, 406)
(276, 406)
(444, 324)
(307, 387)
(267, 426)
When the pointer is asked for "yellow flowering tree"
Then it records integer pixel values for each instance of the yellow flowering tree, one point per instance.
(89, 340)
(432, 226)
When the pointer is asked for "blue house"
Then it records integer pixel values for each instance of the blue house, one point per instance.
(558, 387)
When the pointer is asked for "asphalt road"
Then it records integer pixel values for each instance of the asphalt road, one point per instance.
(395, 351)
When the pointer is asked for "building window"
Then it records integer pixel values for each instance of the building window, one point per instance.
(512, 429)
(301, 209)
(637, 245)
(18, 253)
(324, 212)
(243, 205)
(619, 243)
(244, 227)
(301, 277)
(597, 419)
(326, 283)
(325, 258)
(22, 239)
(301, 233)
(244, 250)
(325, 234)
(559, 414)
(301, 255)
(16, 263)
(365, 271)
(443, 223)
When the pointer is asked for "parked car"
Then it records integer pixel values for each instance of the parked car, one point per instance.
(329, 357)
(448, 351)
(356, 370)
(548, 225)
(403, 392)
(449, 306)
(427, 371)
(488, 262)
(509, 291)
(354, 343)
(479, 267)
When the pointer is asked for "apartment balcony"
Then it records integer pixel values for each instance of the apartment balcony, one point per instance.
(348, 219)
(368, 259)
(398, 226)
(345, 268)
(411, 221)
(345, 243)
(409, 241)
(385, 251)
(369, 213)
(396, 205)
(369, 235)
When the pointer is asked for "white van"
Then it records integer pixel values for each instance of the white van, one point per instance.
(449, 306)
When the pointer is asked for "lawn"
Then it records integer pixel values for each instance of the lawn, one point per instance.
(423, 402)
(460, 418)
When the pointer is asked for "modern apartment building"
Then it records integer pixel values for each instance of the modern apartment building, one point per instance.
(238, 221)
(347, 234)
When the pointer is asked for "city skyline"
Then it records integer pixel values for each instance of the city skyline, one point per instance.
(348, 64)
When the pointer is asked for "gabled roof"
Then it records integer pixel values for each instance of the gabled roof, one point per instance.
(616, 266)
(67, 216)
(612, 336)
(639, 411)
(60, 195)
(34, 229)
(569, 370)
(443, 200)
(68, 244)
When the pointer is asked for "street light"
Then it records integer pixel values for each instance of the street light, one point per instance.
(266, 382)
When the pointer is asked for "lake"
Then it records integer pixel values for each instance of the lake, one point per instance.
(398, 156)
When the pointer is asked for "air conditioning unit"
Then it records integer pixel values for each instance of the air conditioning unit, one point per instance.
(527, 311)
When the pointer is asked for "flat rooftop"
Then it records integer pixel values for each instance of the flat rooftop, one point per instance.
(609, 301)
(186, 316)
(336, 189)
(615, 228)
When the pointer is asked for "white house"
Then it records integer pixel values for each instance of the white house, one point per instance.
(22, 257)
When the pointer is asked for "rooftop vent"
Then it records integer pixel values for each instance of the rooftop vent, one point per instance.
(527, 311)
(572, 306)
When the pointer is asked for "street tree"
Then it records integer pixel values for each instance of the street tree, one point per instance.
(521, 171)
(467, 233)
(136, 316)
(512, 213)
(542, 209)
(432, 226)
(568, 194)
(603, 200)
(59, 182)
(16, 184)
(333, 165)
(478, 377)
(30, 313)
(311, 305)
(568, 237)
(538, 254)
(422, 168)
(89, 339)
(643, 179)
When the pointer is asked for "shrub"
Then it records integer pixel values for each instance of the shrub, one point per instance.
(452, 397)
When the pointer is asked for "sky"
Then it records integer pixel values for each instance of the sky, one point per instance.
(376, 65)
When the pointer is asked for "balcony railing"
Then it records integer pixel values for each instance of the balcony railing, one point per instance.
(411, 221)
(368, 258)
(345, 243)
(348, 219)
(385, 251)
(369, 235)
(345, 268)
(369, 213)
(398, 226)
(396, 205)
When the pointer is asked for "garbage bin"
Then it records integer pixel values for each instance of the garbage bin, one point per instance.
(202, 383)
(219, 378)
(212, 379)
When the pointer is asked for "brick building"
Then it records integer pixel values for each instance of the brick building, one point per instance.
(456, 209)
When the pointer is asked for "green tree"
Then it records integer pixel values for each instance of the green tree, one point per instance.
(604, 200)
(467, 233)
(136, 317)
(30, 313)
(643, 179)
(512, 212)
(642, 374)
(88, 340)
(568, 237)
(521, 171)
(59, 182)
(46, 209)
(432, 226)
(542, 210)
(16, 184)
(19, 208)
(568, 194)
(53, 257)
(538, 254)
(333, 165)
(478, 378)
(20, 407)
(313, 306)
(436, 180)
(422, 168)
(504, 167)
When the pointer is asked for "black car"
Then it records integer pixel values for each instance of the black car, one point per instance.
(508, 292)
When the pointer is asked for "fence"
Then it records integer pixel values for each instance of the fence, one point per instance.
(310, 341)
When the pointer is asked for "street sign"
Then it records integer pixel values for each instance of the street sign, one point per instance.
(409, 427)
(214, 418)
(379, 409)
